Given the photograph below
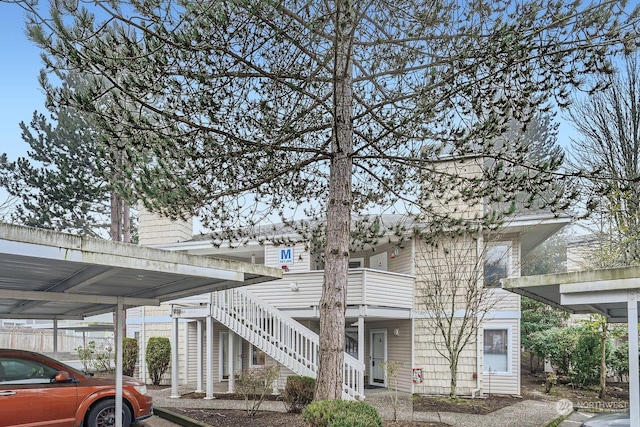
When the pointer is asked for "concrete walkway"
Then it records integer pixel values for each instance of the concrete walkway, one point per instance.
(527, 413)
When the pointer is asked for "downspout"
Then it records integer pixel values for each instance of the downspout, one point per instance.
(479, 368)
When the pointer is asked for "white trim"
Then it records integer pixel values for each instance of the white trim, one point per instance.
(251, 364)
(499, 327)
(223, 337)
(384, 333)
(508, 257)
(359, 260)
(502, 315)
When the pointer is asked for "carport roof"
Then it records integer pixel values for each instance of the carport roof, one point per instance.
(604, 291)
(52, 275)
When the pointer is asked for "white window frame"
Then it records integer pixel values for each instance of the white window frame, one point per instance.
(360, 260)
(508, 258)
(499, 327)
(251, 364)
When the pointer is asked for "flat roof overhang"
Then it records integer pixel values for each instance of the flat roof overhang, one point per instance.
(611, 292)
(51, 275)
(604, 291)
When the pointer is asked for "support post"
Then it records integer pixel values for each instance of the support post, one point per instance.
(118, 343)
(209, 394)
(174, 356)
(231, 362)
(199, 345)
(55, 338)
(361, 337)
(634, 377)
(142, 345)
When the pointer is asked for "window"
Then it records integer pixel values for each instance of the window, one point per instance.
(496, 351)
(356, 263)
(258, 357)
(24, 371)
(496, 264)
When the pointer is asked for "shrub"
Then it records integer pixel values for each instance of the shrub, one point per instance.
(86, 355)
(298, 393)
(391, 370)
(96, 358)
(158, 358)
(255, 384)
(341, 413)
(129, 356)
(585, 360)
(620, 360)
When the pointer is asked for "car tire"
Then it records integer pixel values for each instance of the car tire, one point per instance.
(103, 414)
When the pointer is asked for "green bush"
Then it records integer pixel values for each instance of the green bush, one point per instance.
(96, 358)
(298, 393)
(619, 362)
(341, 413)
(158, 358)
(129, 356)
(585, 360)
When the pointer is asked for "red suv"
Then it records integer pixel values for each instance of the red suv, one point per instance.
(36, 390)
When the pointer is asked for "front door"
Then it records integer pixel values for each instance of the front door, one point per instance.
(378, 357)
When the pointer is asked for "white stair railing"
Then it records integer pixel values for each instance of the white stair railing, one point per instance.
(281, 337)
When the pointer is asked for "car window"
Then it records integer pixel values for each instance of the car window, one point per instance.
(24, 371)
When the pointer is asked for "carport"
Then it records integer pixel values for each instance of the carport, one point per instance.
(613, 293)
(51, 275)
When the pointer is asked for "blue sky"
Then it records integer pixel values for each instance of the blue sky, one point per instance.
(19, 89)
(20, 93)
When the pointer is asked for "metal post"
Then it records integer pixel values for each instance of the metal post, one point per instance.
(118, 343)
(634, 388)
(174, 356)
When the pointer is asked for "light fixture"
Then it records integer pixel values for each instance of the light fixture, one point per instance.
(293, 286)
(395, 252)
(396, 332)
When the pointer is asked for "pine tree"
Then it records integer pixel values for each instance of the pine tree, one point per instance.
(248, 111)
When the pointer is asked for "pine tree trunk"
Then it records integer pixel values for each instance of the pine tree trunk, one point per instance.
(333, 301)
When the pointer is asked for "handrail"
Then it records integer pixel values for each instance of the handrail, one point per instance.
(280, 336)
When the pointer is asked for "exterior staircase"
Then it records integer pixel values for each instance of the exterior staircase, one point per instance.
(281, 337)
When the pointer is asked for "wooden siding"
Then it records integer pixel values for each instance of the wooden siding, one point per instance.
(435, 368)
(301, 258)
(398, 349)
(364, 287)
(192, 363)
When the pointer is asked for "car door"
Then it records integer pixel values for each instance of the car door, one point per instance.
(28, 397)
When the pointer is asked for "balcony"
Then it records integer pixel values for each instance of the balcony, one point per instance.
(365, 287)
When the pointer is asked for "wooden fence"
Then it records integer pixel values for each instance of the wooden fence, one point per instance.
(41, 340)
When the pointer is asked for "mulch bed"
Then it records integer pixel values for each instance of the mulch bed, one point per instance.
(237, 418)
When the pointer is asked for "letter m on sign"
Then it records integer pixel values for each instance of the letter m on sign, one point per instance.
(286, 256)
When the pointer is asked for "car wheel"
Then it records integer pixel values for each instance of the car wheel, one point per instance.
(103, 414)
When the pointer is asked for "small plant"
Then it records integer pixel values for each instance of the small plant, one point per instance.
(158, 358)
(255, 384)
(550, 381)
(96, 359)
(129, 356)
(298, 393)
(391, 369)
(341, 413)
(86, 355)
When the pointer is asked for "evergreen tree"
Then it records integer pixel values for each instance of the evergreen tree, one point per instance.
(254, 110)
(60, 185)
